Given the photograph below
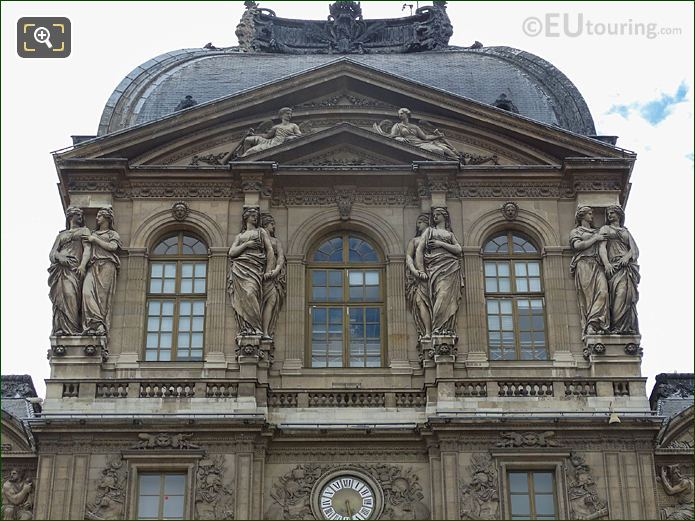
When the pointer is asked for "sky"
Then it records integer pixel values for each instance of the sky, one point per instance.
(632, 62)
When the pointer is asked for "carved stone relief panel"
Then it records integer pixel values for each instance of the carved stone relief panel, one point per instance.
(214, 493)
(677, 486)
(108, 499)
(479, 495)
(17, 493)
(582, 491)
(400, 491)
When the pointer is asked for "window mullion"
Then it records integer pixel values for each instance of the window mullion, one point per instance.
(161, 496)
(532, 494)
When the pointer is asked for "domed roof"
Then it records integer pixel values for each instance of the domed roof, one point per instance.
(499, 76)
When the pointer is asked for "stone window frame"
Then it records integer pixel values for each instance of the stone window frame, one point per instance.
(169, 463)
(512, 294)
(555, 462)
(380, 265)
(177, 296)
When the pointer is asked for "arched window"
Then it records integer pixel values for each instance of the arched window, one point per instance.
(346, 303)
(176, 293)
(514, 298)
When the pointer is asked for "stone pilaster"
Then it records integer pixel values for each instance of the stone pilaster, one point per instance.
(397, 314)
(475, 299)
(214, 323)
(296, 314)
(555, 275)
(135, 312)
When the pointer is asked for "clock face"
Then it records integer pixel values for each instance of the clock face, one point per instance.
(346, 497)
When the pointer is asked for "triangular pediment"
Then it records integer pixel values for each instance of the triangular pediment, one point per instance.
(329, 99)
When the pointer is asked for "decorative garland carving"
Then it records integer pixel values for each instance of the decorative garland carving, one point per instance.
(403, 493)
(213, 499)
(583, 492)
(180, 190)
(109, 500)
(328, 197)
(527, 439)
(165, 440)
(479, 499)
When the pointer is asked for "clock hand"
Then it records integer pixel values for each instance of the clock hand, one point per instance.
(347, 507)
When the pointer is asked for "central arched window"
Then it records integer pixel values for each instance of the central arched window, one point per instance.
(176, 294)
(514, 298)
(346, 303)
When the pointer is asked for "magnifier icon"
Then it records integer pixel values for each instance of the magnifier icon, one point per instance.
(43, 35)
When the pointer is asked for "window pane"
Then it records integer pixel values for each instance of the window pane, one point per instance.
(542, 482)
(186, 286)
(156, 286)
(167, 246)
(148, 507)
(520, 505)
(149, 484)
(361, 251)
(318, 278)
(174, 484)
(187, 270)
(335, 278)
(497, 244)
(330, 251)
(545, 504)
(356, 278)
(173, 507)
(169, 286)
(518, 482)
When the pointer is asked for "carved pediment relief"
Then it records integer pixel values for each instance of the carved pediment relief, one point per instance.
(343, 155)
(345, 98)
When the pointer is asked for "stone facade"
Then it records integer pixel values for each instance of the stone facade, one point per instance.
(435, 429)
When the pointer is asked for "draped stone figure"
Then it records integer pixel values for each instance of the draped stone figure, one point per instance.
(412, 134)
(619, 256)
(17, 497)
(274, 281)
(69, 257)
(251, 256)
(278, 134)
(440, 254)
(589, 275)
(682, 488)
(416, 287)
(100, 280)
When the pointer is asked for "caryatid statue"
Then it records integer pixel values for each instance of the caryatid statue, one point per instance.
(251, 257)
(69, 257)
(274, 281)
(439, 252)
(589, 273)
(416, 286)
(100, 280)
(619, 257)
